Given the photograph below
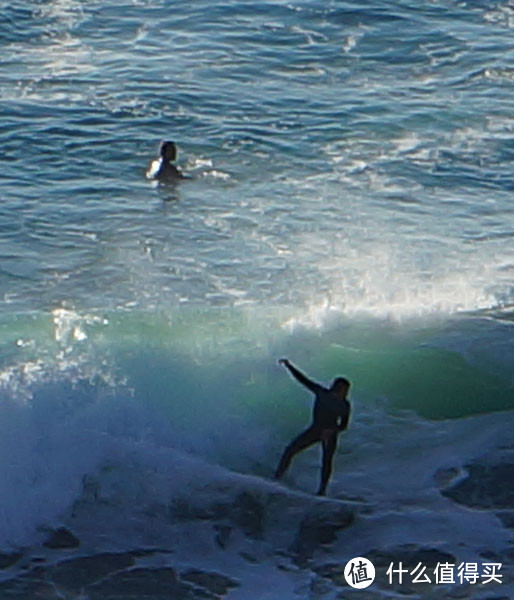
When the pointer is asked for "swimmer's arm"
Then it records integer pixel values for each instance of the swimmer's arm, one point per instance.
(153, 169)
(299, 376)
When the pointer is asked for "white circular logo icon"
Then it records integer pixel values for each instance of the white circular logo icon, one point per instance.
(359, 572)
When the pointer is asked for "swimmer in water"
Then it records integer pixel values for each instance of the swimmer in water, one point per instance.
(162, 169)
(330, 416)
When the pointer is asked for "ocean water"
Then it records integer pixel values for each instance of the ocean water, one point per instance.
(349, 207)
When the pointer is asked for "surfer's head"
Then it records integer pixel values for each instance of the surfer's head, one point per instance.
(168, 151)
(340, 386)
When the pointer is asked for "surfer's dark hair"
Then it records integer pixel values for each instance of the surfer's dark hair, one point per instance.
(341, 381)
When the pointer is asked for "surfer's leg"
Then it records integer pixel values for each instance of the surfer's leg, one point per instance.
(304, 440)
(329, 448)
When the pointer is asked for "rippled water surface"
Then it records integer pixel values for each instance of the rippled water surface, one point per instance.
(350, 207)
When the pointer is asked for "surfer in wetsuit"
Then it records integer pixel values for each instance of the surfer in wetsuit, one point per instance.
(162, 169)
(330, 415)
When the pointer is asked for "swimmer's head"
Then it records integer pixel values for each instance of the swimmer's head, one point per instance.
(168, 151)
(340, 385)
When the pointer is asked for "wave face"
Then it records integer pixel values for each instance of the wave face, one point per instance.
(85, 394)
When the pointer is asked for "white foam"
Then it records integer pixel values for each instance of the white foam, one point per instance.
(384, 280)
(71, 326)
(216, 174)
(393, 462)
(501, 14)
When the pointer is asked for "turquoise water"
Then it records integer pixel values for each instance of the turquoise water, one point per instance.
(350, 208)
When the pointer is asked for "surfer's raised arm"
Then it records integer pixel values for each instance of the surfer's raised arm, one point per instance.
(299, 376)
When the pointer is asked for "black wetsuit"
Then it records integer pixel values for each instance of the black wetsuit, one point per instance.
(168, 172)
(330, 415)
